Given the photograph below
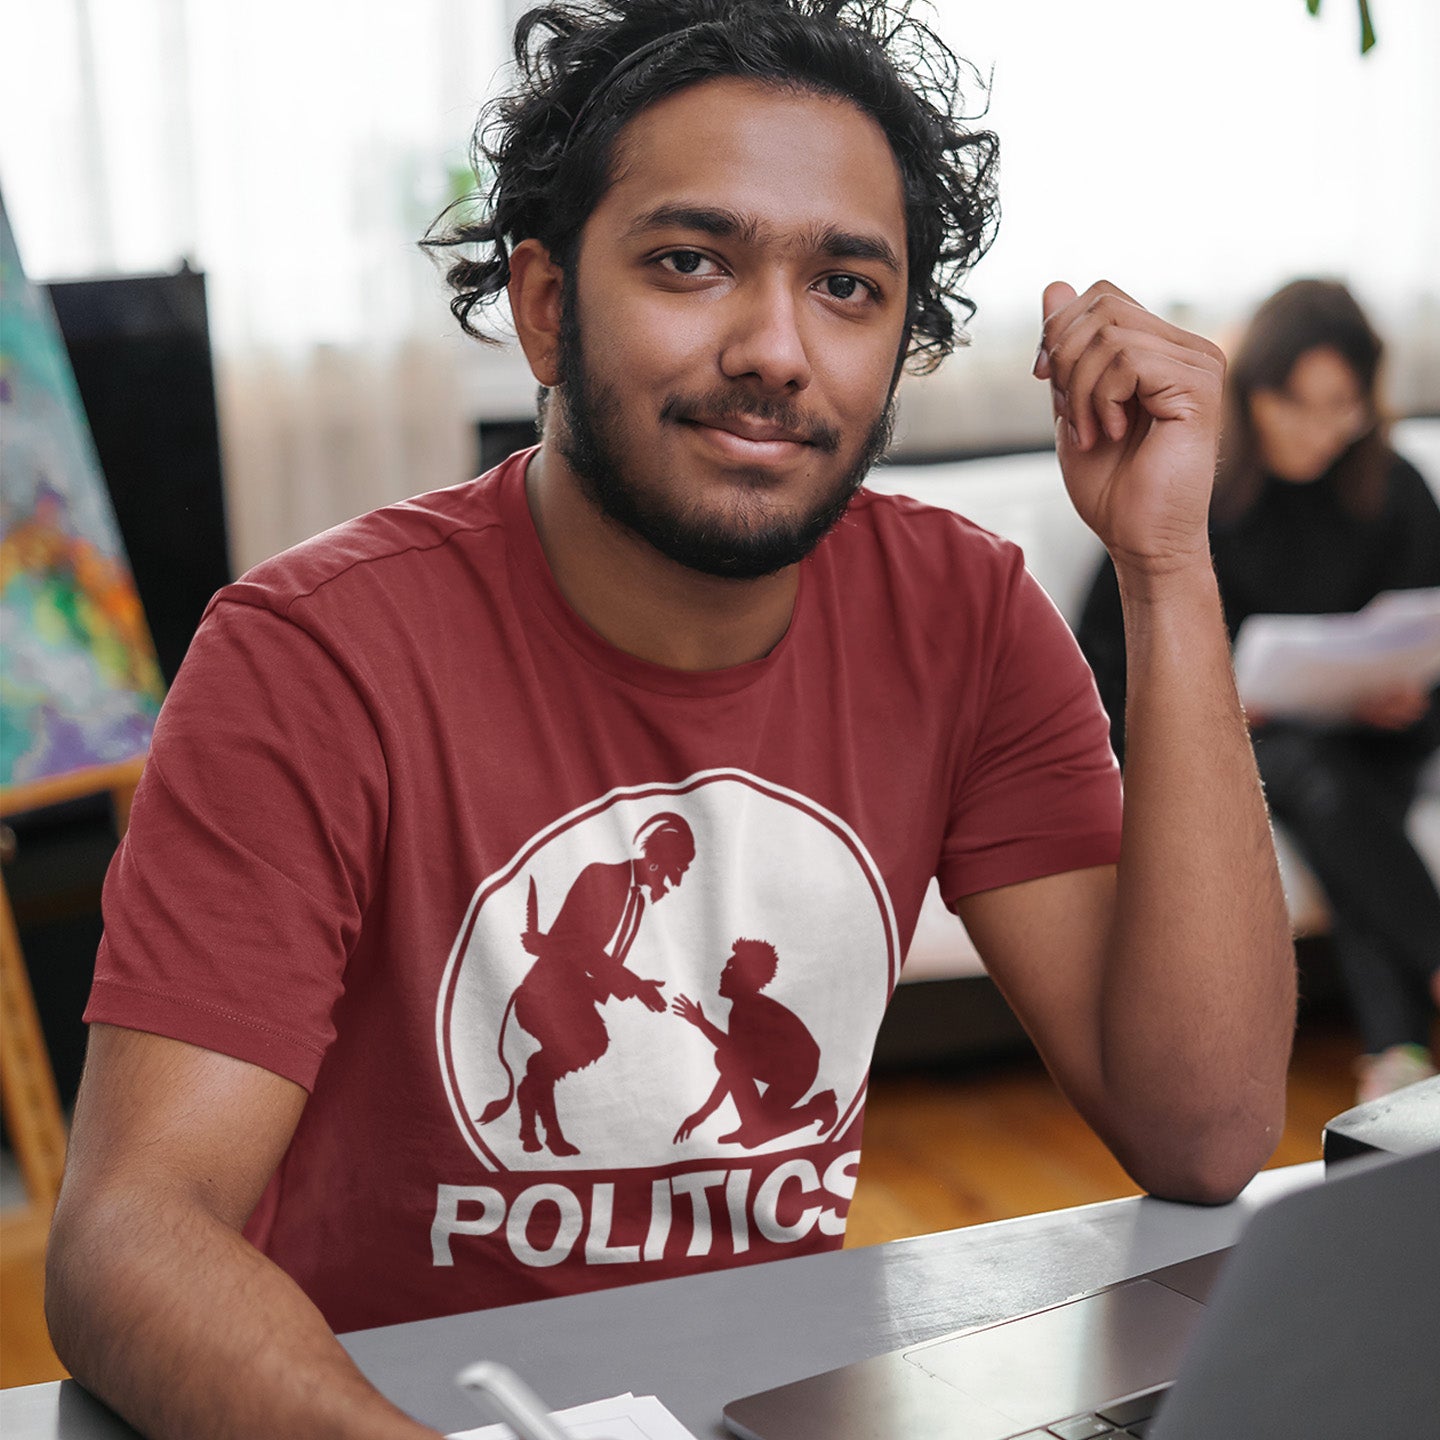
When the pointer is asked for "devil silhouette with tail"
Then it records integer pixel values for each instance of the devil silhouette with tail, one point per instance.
(579, 964)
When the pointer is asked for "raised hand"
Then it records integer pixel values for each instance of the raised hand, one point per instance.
(649, 993)
(1137, 423)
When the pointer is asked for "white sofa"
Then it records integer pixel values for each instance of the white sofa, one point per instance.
(1023, 498)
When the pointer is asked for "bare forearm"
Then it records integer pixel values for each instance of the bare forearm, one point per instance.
(188, 1331)
(716, 1036)
(1193, 993)
(1199, 1002)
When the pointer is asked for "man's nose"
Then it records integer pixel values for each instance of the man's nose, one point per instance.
(764, 339)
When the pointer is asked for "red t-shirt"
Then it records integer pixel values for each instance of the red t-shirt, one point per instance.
(395, 842)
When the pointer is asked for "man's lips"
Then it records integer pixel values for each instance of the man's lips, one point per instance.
(745, 440)
(737, 448)
(754, 430)
(744, 427)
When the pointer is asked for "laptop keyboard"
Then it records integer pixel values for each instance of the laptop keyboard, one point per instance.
(1132, 1417)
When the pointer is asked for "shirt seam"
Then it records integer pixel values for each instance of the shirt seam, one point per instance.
(413, 549)
(206, 1008)
(1036, 860)
(685, 686)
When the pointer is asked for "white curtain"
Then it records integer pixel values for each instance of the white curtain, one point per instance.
(294, 150)
(1197, 154)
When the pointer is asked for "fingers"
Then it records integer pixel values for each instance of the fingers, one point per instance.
(1120, 369)
(1104, 354)
(1058, 295)
(1060, 306)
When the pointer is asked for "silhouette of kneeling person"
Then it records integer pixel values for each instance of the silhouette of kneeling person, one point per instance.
(767, 1059)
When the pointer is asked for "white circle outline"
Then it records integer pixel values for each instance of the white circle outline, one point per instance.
(537, 842)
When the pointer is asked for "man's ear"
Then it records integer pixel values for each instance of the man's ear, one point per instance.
(534, 290)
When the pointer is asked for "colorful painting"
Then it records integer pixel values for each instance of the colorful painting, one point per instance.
(79, 685)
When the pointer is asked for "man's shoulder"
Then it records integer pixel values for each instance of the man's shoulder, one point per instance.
(901, 520)
(938, 555)
(379, 548)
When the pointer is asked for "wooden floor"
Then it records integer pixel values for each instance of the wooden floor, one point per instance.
(943, 1148)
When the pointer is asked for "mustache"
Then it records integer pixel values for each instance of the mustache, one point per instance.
(725, 405)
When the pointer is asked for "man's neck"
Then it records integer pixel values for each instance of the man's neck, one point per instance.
(641, 601)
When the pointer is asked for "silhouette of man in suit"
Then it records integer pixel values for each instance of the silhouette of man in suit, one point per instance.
(579, 964)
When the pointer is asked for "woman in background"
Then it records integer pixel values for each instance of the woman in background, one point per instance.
(1313, 513)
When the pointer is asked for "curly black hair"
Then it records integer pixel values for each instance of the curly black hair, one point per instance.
(588, 67)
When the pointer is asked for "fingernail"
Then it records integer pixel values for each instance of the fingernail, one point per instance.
(1041, 357)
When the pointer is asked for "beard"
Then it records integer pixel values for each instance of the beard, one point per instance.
(736, 547)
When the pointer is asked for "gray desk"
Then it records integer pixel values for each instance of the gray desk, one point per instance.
(699, 1342)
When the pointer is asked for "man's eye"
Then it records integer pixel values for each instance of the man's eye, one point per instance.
(844, 287)
(684, 262)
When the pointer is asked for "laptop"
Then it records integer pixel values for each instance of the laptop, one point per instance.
(1323, 1321)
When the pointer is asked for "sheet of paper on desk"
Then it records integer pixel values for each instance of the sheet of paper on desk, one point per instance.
(1320, 666)
(622, 1417)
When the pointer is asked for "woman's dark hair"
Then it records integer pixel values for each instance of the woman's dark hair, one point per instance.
(543, 152)
(1302, 316)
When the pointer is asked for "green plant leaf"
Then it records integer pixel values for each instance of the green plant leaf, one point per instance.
(1367, 30)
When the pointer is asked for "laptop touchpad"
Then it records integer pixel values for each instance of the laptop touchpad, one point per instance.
(1073, 1357)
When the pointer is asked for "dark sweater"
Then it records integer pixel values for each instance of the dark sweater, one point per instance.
(1296, 551)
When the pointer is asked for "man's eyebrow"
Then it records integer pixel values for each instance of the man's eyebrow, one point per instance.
(708, 220)
(848, 245)
(725, 224)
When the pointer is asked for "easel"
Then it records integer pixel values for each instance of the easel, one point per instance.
(27, 1079)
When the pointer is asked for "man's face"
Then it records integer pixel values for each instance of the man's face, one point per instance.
(729, 985)
(733, 324)
(664, 864)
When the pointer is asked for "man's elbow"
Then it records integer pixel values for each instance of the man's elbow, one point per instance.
(72, 1266)
(1205, 1183)
(66, 1300)
(86, 1257)
(1208, 1163)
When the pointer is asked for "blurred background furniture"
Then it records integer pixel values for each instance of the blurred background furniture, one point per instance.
(945, 1007)
(140, 349)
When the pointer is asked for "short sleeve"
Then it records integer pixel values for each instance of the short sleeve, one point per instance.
(1039, 792)
(254, 841)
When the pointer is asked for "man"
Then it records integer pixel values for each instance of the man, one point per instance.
(766, 1046)
(722, 226)
(580, 964)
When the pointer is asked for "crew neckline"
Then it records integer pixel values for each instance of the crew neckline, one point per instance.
(529, 562)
